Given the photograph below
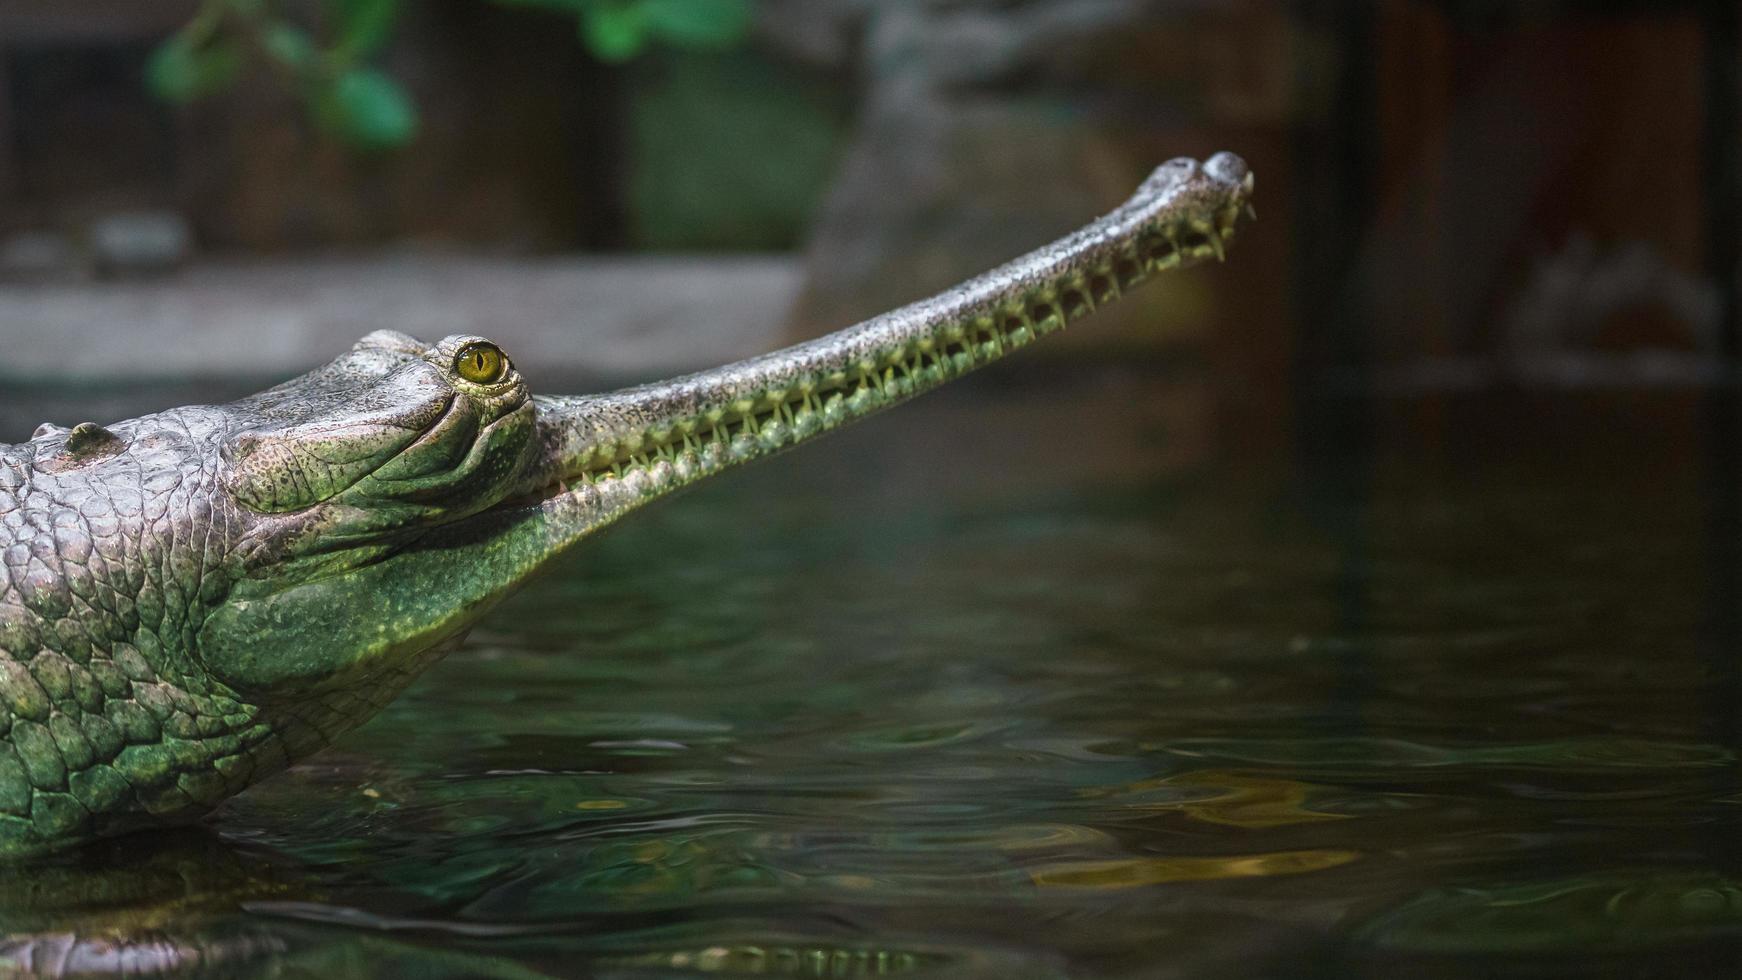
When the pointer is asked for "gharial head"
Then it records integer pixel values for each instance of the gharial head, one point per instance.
(302, 552)
(399, 492)
(339, 478)
(393, 434)
(212, 536)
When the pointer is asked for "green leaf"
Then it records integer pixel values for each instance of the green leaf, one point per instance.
(289, 44)
(366, 109)
(363, 25)
(180, 71)
(697, 23)
(614, 33)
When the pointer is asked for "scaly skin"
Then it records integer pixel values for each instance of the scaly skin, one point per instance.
(193, 600)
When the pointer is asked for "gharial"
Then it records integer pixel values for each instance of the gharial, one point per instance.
(192, 600)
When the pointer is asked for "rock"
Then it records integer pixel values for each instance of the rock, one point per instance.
(992, 127)
(140, 243)
(38, 256)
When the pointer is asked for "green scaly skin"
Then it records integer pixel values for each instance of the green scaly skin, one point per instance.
(193, 600)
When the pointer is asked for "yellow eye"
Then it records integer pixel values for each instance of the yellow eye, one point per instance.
(481, 363)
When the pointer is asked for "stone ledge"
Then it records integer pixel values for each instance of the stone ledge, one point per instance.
(564, 315)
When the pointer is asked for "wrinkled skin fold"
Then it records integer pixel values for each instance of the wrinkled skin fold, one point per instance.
(193, 600)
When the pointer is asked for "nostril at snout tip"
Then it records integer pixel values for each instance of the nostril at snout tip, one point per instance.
(1229, 168)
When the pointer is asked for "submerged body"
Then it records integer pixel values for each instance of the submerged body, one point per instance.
(192, 600)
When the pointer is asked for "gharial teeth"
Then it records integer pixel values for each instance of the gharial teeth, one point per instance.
(812, 402)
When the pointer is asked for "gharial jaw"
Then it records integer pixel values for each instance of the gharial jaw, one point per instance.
(605, 454)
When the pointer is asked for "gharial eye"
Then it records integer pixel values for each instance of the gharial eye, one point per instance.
(481, 363)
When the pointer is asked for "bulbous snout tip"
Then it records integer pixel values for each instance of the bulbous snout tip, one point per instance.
(1220, 174)
(1229, 168)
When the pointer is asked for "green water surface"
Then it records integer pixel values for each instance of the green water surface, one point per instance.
(930, 702)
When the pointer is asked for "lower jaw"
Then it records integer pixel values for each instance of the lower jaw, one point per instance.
(774, 425)
(665, 457)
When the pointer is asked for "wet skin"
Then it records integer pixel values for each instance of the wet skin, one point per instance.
(193, 600)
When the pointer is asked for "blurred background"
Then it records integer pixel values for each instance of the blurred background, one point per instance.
(1455, 196)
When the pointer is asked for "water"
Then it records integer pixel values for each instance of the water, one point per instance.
(1457, 700)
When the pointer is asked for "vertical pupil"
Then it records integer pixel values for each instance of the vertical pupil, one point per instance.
(483, 364)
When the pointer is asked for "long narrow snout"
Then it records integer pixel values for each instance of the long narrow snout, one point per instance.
(627, 446)
(596, 457)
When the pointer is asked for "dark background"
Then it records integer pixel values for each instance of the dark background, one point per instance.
(1455, 198)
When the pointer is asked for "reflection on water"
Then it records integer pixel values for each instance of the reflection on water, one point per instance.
(1220, 796)
(159, 903)
(1606, 910)
(1123, 722)
(1134, 872)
